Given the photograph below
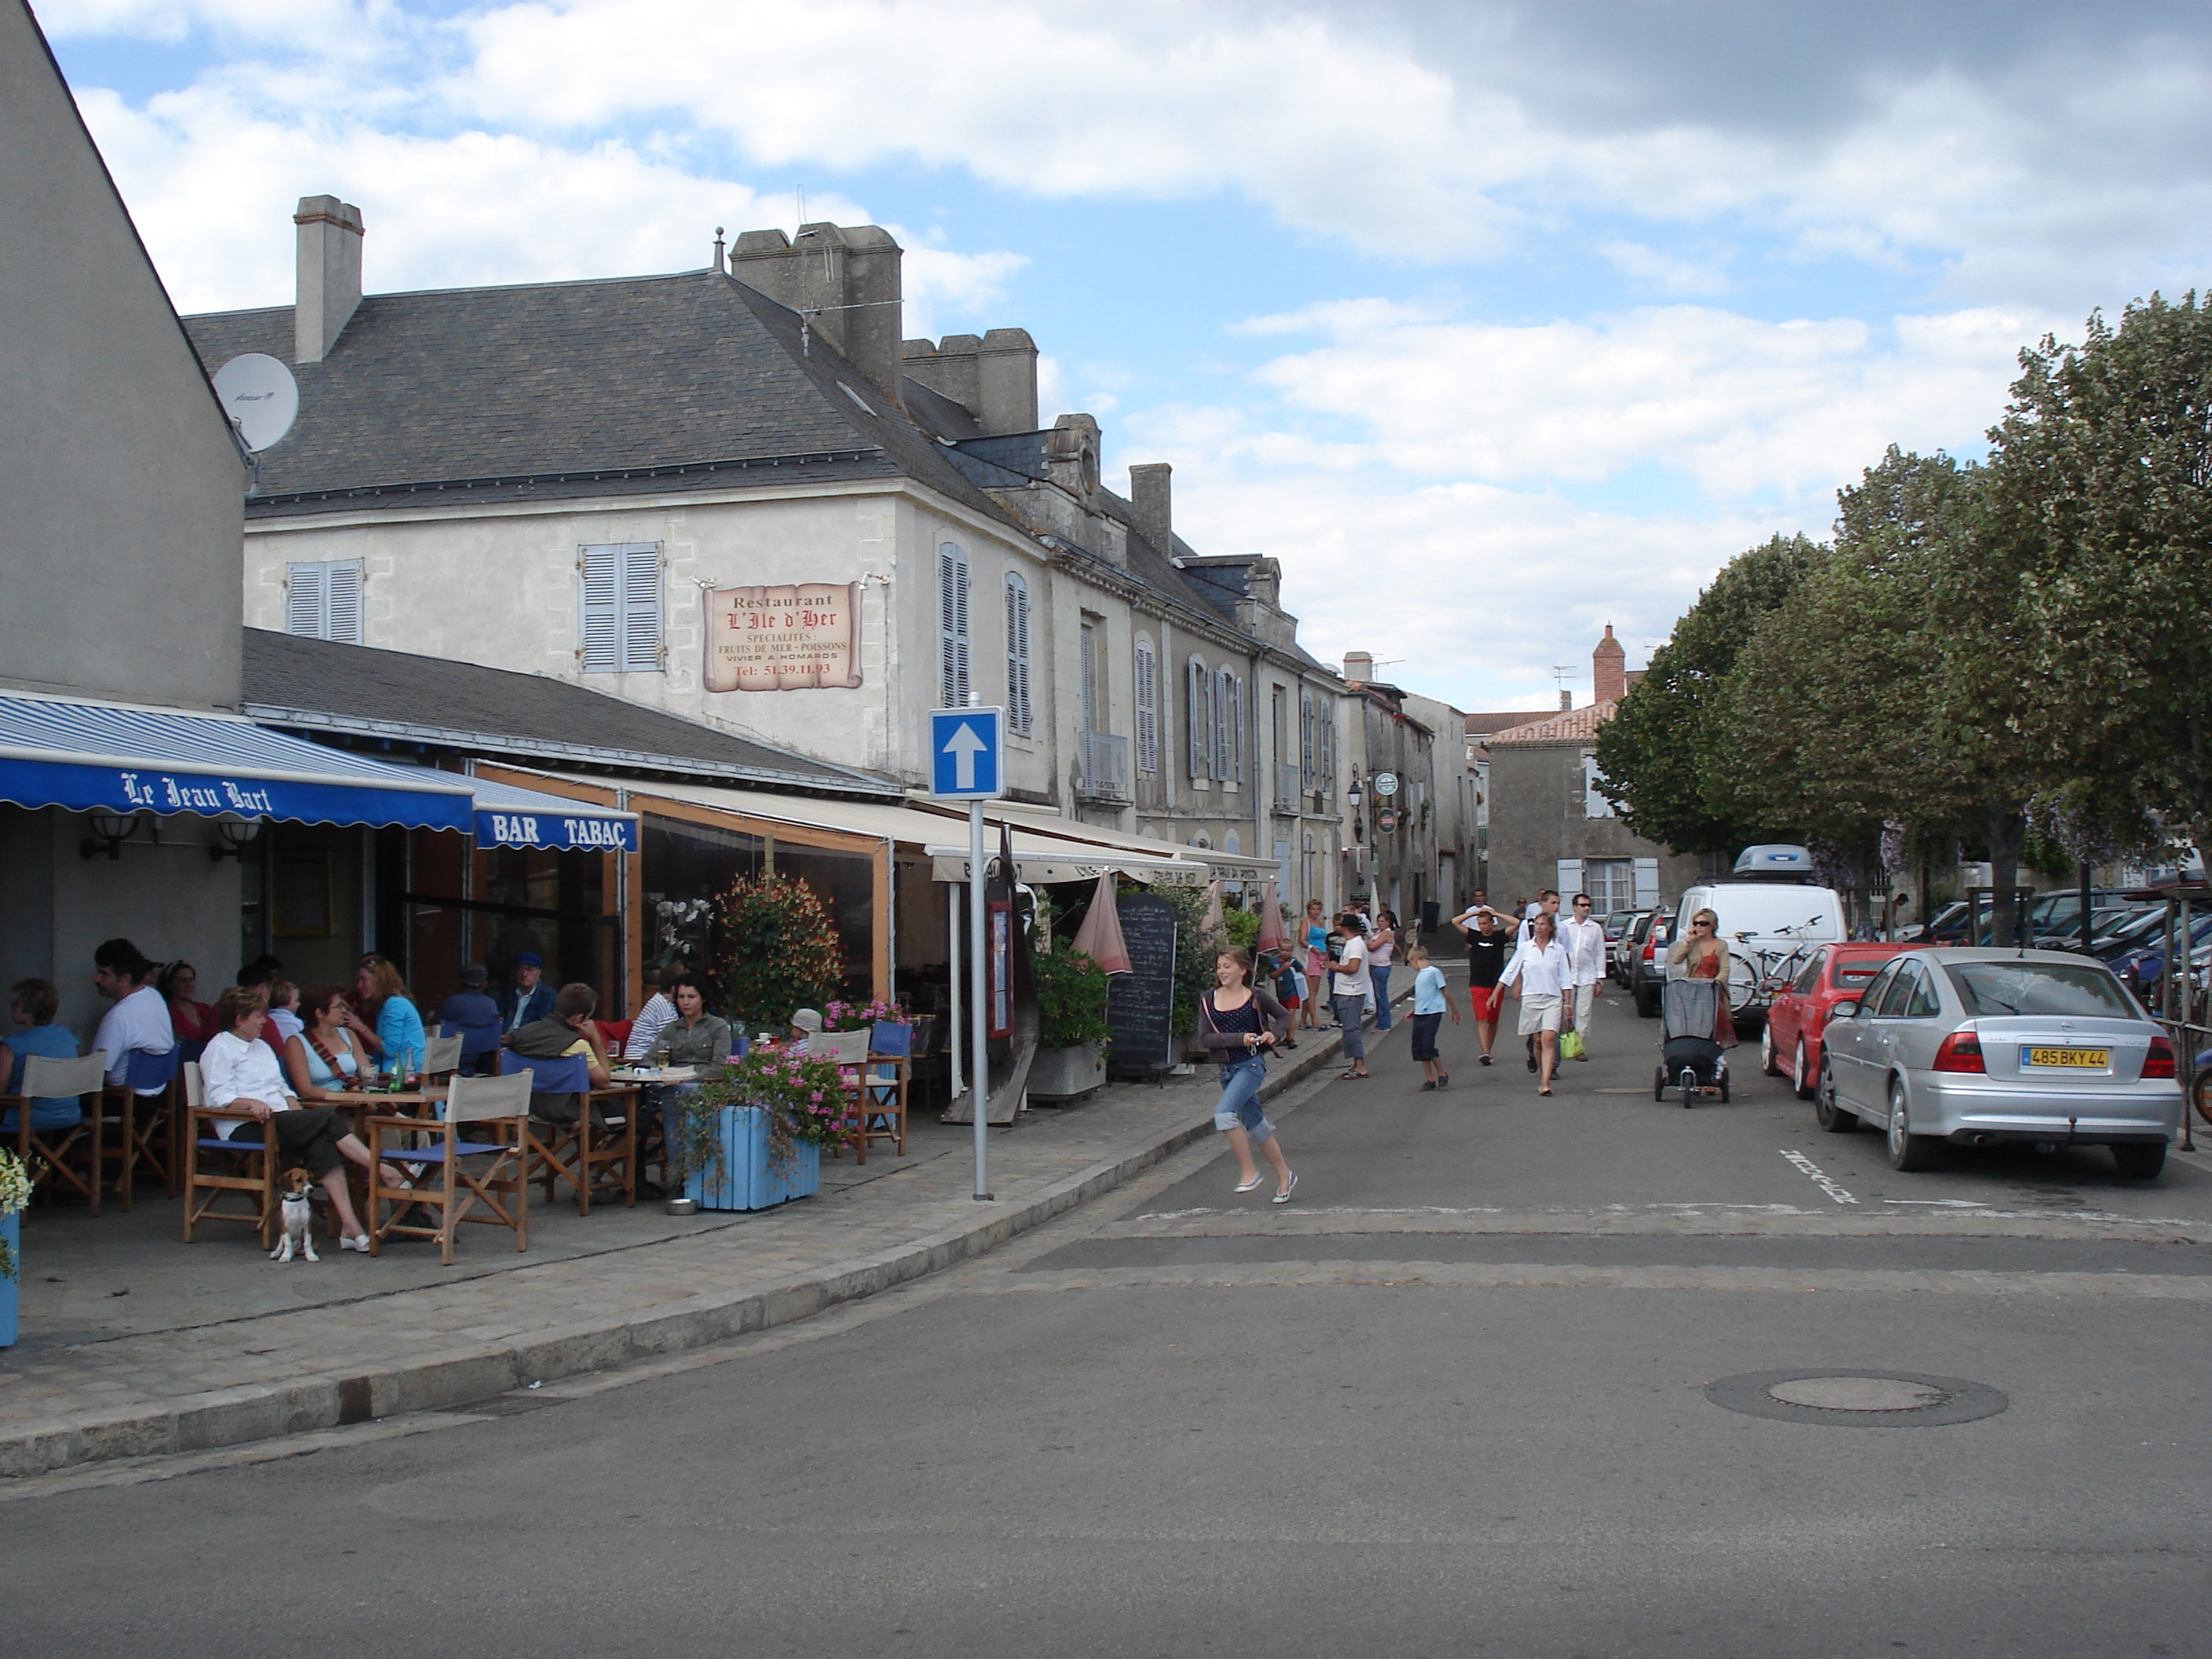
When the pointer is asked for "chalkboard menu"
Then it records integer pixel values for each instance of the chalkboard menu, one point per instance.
(1140, 1004)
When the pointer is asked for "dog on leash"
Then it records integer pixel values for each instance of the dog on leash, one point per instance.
(299, 1220)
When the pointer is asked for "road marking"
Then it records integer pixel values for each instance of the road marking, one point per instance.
(1940, 1203)
(1820, 1178)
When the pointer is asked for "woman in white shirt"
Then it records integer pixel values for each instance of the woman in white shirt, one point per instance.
(240, 1072)
(1541, 975)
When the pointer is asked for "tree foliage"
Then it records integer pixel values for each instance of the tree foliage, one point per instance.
(778, 949)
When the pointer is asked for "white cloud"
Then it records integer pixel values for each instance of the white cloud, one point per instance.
(1653, 269)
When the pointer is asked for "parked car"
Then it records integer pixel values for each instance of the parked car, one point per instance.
(1770, 927)
(1648, 962)
(1791, 1044)
(1619, 944)
(1977, 1048)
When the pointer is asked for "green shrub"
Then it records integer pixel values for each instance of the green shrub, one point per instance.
(1071, 991)
(778, 950)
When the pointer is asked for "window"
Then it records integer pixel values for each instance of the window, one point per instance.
(1018, 654)
(1088, 641)
(619, 602)
(1198, 718)
(1148, 708)
(1225, 727)
(1611, 884)
(1594, 805)
(1306, 741)
(1325, 749)
(322, 600)
(951, 627)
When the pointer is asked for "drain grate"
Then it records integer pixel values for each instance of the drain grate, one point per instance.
(1858, 1400)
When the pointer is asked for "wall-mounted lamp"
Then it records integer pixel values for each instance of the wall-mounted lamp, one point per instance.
(234, 834)
(109, 831)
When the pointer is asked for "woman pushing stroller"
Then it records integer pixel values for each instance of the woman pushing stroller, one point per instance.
(1696, 1024)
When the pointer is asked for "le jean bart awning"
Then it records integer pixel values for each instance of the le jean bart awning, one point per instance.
(118, 757)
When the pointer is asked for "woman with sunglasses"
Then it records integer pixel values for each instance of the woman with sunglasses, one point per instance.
(1702, 954)
(1540, 977)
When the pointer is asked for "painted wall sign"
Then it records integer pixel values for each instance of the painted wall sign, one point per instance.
(798, 636)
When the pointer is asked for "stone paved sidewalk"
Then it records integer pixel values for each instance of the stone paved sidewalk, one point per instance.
(201, 1364)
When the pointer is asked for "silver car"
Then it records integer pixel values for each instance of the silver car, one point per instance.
(1977, 1046)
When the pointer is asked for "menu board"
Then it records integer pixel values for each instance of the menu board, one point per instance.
(798, 636)
(1140, 1004)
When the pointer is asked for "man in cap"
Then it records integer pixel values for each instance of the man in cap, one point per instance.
(528, 999)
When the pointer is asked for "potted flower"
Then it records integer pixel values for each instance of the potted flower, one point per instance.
(1071, 1028)
(860, 1016)
(14, 1193)
(753, 1136)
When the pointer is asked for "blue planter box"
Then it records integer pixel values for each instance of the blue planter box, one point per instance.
(742, 1177)
(12, 1230)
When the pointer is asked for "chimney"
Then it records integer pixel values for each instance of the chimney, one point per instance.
(845, 283)
(1566, 701)
(1359, 666)
(1008, 374)
(1150, 505)
(1263, 581)
(1609, 669)
(953, 369)
(329, 275)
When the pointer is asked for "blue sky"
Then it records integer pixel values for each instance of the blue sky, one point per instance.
(1494, 323)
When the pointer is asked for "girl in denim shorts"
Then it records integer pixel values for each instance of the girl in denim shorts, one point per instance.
(1239, 1022)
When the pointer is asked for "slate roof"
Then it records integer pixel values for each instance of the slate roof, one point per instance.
(392, 697)
(1575, 725)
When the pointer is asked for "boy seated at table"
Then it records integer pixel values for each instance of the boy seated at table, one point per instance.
(565, 1033)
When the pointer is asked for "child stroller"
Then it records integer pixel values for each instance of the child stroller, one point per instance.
(1690, 1058)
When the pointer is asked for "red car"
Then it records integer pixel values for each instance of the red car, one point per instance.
(1791, 1045)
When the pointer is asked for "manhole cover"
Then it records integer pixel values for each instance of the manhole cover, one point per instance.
(1858, 1400)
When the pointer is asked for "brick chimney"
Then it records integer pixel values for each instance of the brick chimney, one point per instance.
(1151, 504)
(844, 281)
(329, 275)
(1609, 669)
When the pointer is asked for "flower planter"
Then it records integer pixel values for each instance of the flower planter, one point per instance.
(742, 1175)
(11, 1231)
(1064, 1073)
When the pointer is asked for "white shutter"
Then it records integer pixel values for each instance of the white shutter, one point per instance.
(342, 598)
(1148, 709)
(1306, 737)
(598, 600)
(952, 626)
(1647, 884)
(1199, 720)
(1217, 705)
(1571, 881)
(641, 607)
(304, 611)
(1242, 718)
(1017, 652)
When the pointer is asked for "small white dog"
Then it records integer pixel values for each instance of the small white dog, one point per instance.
(299, 1220)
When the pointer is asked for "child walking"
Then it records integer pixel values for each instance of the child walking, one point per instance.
(1430, 1007)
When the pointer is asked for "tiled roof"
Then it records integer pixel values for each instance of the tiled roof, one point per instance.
(1481, 725)
(1575, 725)
(357, 691)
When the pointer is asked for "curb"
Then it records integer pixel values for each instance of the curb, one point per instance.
(233, 1417)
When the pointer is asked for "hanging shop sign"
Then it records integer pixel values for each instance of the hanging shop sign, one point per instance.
(1386, 820)
(797, 636)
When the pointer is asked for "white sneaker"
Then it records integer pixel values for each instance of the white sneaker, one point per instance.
(358, 1241)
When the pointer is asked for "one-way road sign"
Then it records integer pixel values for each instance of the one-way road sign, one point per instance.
(966, 748)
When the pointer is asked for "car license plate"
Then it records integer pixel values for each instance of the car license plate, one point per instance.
(2068, 1059)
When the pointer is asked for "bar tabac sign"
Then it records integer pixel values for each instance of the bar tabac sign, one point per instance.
(796, 637)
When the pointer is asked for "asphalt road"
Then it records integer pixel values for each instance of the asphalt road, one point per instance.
(1454, 1400)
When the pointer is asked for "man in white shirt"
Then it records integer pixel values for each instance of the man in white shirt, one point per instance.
(1348, 987)
(1547, 904)
(139, 1021)
(1585, 943)
(652, 1019)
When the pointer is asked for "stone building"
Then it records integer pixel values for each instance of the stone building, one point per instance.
(1392, 853)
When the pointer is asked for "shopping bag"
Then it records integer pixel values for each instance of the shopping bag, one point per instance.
(1570, 1046)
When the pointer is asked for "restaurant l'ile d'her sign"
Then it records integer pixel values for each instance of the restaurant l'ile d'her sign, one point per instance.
(798, 636)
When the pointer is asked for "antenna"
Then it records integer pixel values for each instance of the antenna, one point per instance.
(1566, 676)
(261, 397)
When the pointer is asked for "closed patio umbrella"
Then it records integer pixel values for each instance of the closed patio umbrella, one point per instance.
(1100, 936)
(1271, 919)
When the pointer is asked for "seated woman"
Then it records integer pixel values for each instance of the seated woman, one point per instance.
(694, 1037)
(193, 1022)
(325, 1059)
(240, 1073)
(36, 1003)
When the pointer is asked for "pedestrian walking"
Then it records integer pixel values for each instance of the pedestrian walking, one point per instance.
(1539, 975)
(1287, 983)
(1349, 988)
(1489, 936)
(1316, 943)
(1585, 942)
(1238, 1023)
(1382, 947)
(1547, 904)
(1703, 954)
(1431, 1005)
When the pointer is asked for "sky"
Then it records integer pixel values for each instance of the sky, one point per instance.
(1495, 324)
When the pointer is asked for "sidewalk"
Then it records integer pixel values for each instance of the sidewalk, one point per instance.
(135, 1344)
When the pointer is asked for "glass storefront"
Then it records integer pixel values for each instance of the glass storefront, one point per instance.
(687, 864)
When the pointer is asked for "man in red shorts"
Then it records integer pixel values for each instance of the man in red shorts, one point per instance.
(1489, 942)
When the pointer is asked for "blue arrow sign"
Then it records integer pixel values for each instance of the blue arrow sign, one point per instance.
(966, 747)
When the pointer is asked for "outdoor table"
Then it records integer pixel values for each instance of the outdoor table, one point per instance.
(665, 1075)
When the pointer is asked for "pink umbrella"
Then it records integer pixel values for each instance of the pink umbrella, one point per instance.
(1213, 923)
(1100, 936)
(1271, 919)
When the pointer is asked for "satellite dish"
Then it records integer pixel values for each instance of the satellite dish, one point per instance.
(260, 395)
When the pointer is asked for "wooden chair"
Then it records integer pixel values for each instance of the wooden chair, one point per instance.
(589, 1155)
(441, 1058)
(69, 1156)
(495, 1112)
(216, 1166)
(884, 1085)
(133, 1120)
(849, 1049)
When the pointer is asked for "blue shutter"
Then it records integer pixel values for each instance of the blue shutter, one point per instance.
(951, 626)
(1199, 719)
(1017, 652)
(640, 607)
(1148, 709)
(599, 607)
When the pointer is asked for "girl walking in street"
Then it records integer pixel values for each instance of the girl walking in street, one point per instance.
(1540, 976)
(1349, 986)
(1316, 943)
(1238, 1023)
(1382, 943)
(1430, 1006)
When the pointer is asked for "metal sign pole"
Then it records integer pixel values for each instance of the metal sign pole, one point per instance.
(979, 988)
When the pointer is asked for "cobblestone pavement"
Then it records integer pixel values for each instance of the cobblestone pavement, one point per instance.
(217, 1345)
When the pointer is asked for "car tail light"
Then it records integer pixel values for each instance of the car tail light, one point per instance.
(1961, 1052)
(2158, 1062)
(1648, 950)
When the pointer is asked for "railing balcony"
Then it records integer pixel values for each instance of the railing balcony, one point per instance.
(1105, 767)
(1287, 777)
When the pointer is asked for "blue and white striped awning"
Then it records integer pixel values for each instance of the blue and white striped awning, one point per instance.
(507, 816)
(113, 757)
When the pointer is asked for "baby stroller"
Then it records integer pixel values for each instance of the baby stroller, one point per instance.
(1690, 1058)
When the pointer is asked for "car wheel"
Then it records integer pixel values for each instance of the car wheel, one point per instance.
(1907, 1150)
(1800, 1079)
(2139, 1163)
(2204, 1093)
(1825, 1112)
(1647, 1003)
(1767, 1063)
(1724, 1089)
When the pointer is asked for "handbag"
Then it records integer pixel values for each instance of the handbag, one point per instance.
(1570, 1046)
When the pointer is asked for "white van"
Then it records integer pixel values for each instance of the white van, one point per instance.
(1765, 923)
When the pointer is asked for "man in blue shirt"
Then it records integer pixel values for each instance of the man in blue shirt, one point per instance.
(529, 999)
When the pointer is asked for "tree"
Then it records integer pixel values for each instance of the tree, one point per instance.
(779, 949)
(1669, 756)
